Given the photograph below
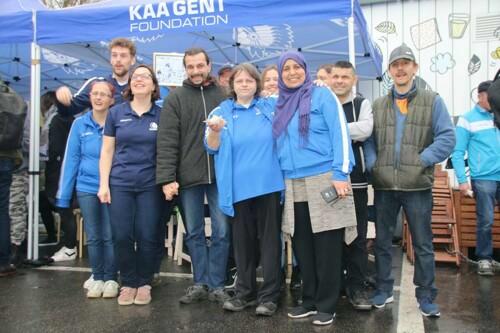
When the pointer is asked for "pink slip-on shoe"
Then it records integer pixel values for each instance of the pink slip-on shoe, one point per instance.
(143, 295)
(127, 296)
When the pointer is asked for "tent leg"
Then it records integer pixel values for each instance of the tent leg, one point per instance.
(34, 165)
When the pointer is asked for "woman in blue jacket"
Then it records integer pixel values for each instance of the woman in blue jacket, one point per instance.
(315, 154)
(81, 166)
(249, 181)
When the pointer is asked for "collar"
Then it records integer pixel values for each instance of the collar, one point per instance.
(129, 112)
(349, 99)
(237, 106)
(480, 109)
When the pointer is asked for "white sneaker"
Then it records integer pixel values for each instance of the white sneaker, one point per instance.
(111, 289)
(88, 283)
(64, 254)
(96, 289)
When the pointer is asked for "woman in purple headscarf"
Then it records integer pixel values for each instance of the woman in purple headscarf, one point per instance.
(315, 154)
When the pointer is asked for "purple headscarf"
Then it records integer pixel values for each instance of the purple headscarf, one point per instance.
(292, 99)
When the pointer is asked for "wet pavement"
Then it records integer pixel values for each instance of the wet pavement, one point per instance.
(53, 300)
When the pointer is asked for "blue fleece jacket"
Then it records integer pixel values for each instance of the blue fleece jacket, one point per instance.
(478, 136)
(442, 130)
(81, 160)
(246, 164)
(328, 147)
(81, 100)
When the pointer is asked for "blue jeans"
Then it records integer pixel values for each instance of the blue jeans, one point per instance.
(209, 259)
(6, 170)
(417, 206)
(99, 238)
(136, 222)
(485, 192)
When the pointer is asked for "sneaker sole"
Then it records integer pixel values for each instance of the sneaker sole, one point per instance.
(144, 302)
(387, 301)
(429, 314)
(114, 295)
(322, 323)
(362, 307)
(486, 273)
(303, 315)
(126, 303)
(241, 308)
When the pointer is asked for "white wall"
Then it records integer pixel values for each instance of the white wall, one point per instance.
(444, 59)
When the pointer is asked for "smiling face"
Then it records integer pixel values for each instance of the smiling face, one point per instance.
(121, 60)
(141, 82)
(343, 79)
(101, 97)
(270, 82)
(197, 68)
(245, 86)
(293, 74)
(402, 72)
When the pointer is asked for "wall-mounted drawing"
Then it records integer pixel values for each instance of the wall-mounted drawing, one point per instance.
(496, 33)
(474, 64)
(496, 53)
(382, 39)
(442, 62)
(425, 34)
(473, 95)
(386, 27)
(457, 24)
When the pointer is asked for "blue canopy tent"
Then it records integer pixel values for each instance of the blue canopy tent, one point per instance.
(232, 31)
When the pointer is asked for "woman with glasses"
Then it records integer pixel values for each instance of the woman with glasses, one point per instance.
(128, 184)
(81, 167)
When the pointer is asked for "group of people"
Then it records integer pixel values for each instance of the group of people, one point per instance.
(274, 155)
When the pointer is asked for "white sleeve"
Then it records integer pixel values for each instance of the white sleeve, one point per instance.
(361, 129)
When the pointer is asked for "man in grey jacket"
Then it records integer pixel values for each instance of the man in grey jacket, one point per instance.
(185, 169)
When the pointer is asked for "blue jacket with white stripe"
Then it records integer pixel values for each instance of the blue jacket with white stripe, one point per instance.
(478, 136)
(328, 147)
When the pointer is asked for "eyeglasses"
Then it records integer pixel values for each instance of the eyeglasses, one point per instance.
(99, 94)
(141, 76)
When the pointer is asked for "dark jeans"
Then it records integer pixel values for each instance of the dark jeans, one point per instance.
(355, 254)
(209, 259)
(485, 192)
(99, 238)
(320, 262)
(256, 223)
(136, 222)
(6, 170)
(417, 206)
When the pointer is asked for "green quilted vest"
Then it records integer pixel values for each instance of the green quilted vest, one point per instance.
(409, 174)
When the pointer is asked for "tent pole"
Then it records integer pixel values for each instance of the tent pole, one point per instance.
(350, 33)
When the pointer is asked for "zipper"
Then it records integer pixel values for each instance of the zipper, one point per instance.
(206, 116)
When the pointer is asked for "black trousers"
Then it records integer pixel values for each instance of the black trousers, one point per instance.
(320, 261)
(355, 254)
(255, 224)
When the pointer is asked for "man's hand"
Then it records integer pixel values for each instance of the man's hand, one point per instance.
(466, 190)
(64, 96)
(170, 190)
(342, 188)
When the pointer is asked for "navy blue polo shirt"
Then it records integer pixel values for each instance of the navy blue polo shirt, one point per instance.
(134, 161)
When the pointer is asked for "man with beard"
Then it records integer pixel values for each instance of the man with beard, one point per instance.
(122, 57)
(185, 169)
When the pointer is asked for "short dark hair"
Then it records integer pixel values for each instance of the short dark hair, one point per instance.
(326, 67)
(194, 51)
(251, 70)
(123, 42)
(345, 64)
(128, 95)
(47, 100)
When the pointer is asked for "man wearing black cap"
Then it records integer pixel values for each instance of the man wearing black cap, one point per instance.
(412, 132)
(478, 136)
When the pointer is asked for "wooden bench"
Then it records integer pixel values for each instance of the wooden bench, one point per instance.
(465, 211)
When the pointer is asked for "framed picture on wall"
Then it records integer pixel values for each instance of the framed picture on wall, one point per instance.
(169, 69)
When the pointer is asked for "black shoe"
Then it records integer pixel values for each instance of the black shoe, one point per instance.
(231, 277)
(295, 281)
(6, 270)
(236, 304)
(15, 255)
(322, 318)
(300, 312)
(359, 300)
(266, 309)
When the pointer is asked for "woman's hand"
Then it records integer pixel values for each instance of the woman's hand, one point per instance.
(104, 195)
(320, 83)
(216, 123)
(342, 188)
(170, 190)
